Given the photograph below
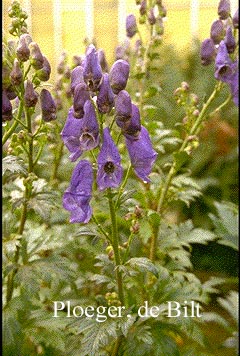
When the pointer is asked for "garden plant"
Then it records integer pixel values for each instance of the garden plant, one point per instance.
(102, 192)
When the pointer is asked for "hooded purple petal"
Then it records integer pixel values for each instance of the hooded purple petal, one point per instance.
(76, 77)
(131, 25)
(142, 154)
(224, 9)
(92, 71)
(132, 128)
(208, 52)
(230, 40)
(109, 174)
(217, 31)
(48, 106)
(224, 67)
(118, 75)
(234, 85)
(78, 195)
(105, 98)
(123, 107)
(81, 95)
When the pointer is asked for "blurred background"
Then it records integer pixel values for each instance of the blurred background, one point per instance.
(62, 24)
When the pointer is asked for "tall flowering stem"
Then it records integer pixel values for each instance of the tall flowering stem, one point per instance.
(115, 244)
(172, 172)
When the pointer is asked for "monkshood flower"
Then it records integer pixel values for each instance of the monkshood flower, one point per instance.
(22, 51)
(92, 71)
(224, 9)
(235, 19)
(109, 174)
(48, 106)
(44, 73)
(142, 154)
(123, 107)
(81, 95)
(36, 57)
(132, 129)
(81, 134)
(76, 77)
(131, 25)
(78, 195)
(30, 95)
(118, 75)
(224, 67)
(208, 52)
(105, 97)
(16, 73)
(230, 40)
(234, 85)
(102, 60)
(6, 107)
(217, 31)
(151, 17)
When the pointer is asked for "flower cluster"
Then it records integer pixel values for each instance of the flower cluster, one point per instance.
(17, 56)
(98, 92)
(221, 46)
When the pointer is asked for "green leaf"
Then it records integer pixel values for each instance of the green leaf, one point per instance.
(142, 264)
(152, 90)
(13, 164)
(180, 158)
(200, 236)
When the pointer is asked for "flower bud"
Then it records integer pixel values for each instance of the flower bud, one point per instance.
(118, 75)
(235, 19)
(185, 86)
(224, 9)
(48, 106)
(151, 17)
(44, 73)
(208, 52)
(6, 107)
(23, 52)
(159, 26)
(143, 7)
(105, 98)
(230, 40)
(123, 107)
(81, 95)
(76, 77)
(131, 25)
(30, 95)
(37, 59)
(10, 92)
(217, 31)
(16, 73)
(102, 60)
(77, 61)
(162, 11)
(194, 99)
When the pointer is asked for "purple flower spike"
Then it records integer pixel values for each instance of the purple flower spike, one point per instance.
(76, 77)
(133, 127)
(81, 95)
(224, 68)
(118, 75)
(131, 25)
(142, 155)
(92, 71)
(109, 174)
(208, 52)
(224, 9)
(123, 107)
(105, 98)
(78, 195)
(230, 40)
(81, 135)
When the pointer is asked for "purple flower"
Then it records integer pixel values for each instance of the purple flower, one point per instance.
(224, 9)
(81, 134)
(36, 56)
(16, 74)
(143, 7)
(208, 52)
(76, 77)
(78, 195)
(30, 95)
(235, 19)
(118, 75)
(92, 71)
(22, 51)
(132, 128)
(123, 107)
(142, 154)
(217, 31)
(109, 174)
(151, 17)
(224, 67)
(6, 107)
(230, 40)
(105, 98)
(102, 60)
(44, 73)
(81, 95)
(131, 25)
(234, 84)
(48, 106)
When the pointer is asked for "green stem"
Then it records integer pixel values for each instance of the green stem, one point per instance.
(172, 171)
(123, 186)
(115, 244)
(101, 229)
(14, 125)
(56, 162)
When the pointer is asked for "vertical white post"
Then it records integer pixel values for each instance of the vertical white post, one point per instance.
(27, 5)
(57, 25)
(122, 13)
(89, 22)
(194, 17)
